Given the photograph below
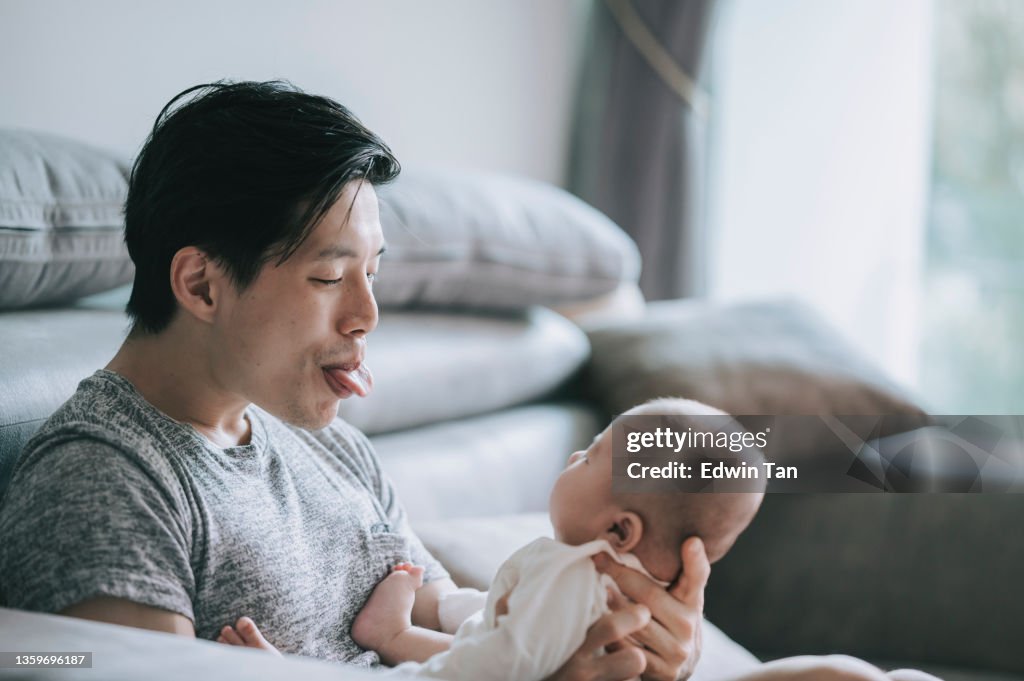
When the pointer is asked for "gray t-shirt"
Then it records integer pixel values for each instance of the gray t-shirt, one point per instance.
(112, 497)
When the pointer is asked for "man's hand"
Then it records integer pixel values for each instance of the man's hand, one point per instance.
(624, 662)
(671, 640)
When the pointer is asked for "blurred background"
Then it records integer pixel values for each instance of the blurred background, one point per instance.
(865, 157)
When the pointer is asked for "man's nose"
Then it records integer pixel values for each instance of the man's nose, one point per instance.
(358, 311)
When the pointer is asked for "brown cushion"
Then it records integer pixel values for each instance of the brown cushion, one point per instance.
(749, 359)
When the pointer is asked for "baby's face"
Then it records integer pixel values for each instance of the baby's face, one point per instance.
(581, 500)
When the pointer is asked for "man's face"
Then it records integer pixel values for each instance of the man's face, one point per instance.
(580, 504)
(293, 341)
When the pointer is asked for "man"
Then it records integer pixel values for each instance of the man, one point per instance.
(202, 473)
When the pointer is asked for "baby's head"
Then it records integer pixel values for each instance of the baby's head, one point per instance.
(653, 525)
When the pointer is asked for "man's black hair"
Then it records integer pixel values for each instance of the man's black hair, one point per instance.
(242, 171)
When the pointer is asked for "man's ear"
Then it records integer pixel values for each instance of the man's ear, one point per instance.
(625, 531)
(197, 282)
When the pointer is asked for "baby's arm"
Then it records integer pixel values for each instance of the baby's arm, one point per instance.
(385, 622)
(541, 603)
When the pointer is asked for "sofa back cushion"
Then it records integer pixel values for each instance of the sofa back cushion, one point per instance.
(429, 366)
(909, 578)
(60, 219)
(436, 366)
(493, 241)
(462, 239)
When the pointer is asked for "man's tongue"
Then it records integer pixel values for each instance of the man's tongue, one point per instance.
(359, 381)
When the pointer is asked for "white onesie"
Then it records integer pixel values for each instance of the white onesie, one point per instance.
(554, 594)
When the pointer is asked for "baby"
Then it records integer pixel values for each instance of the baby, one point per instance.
(548, 593)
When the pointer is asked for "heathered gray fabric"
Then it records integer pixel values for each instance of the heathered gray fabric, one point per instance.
(114, 498)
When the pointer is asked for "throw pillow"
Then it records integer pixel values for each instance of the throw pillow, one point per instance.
(60, 219)
(750, 359)
(483, 240)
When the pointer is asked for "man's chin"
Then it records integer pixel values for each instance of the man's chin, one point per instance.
(320, 420)
(316, 418)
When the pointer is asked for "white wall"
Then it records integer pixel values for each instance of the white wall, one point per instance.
(821, 163)
(476, 84)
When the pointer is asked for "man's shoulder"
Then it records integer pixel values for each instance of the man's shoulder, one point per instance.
(100, 402)
(104, 415)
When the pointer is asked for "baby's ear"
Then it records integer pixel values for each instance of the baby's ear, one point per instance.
(625, 531)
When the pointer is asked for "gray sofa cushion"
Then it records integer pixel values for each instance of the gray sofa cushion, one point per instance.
(429, 367)
(128, 654)
(505, 462)
(46, 353)
(472, 239)
(432, 366)
(60, 219)
(950, 673)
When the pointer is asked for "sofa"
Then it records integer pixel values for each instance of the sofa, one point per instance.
(511, 330)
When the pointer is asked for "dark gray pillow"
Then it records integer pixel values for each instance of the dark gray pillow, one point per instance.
(901, 577)
(775, 358)
(492, 241)
(61, 223)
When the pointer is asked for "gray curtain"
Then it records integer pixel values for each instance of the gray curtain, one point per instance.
(638, 150)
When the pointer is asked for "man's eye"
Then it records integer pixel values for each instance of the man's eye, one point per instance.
(370, 276)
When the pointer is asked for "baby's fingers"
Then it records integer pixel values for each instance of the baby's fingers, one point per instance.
(230, 636)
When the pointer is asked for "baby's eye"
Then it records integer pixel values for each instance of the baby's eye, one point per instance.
(371, 277)
(329, 282)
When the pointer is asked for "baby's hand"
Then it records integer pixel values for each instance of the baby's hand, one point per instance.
(245, 633)
(388, 612)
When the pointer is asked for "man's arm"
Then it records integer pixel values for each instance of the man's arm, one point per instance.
(131, 614)
(123, 530)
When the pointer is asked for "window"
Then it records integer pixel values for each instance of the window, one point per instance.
(972, 336)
